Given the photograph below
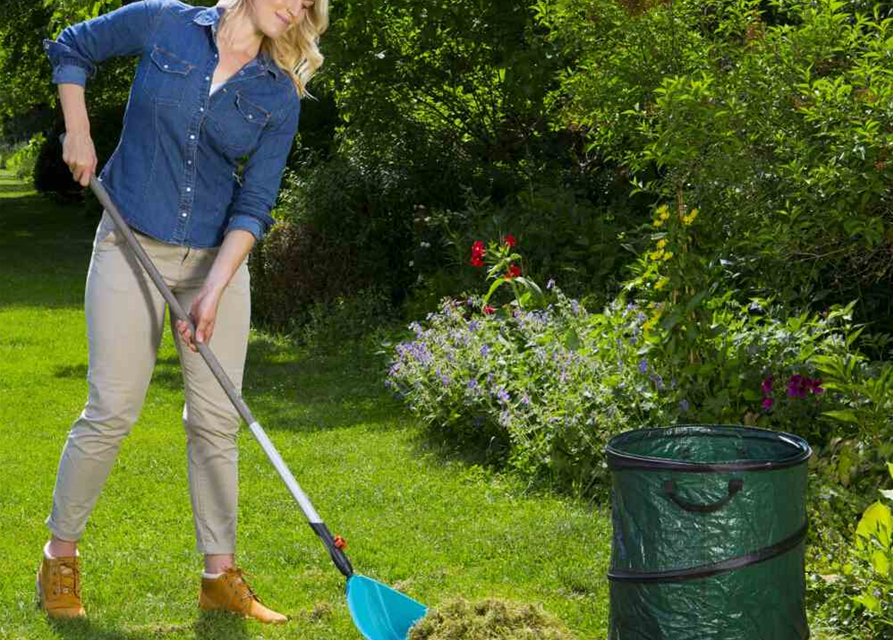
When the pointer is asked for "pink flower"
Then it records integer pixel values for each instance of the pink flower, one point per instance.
(814, 385)
(797, 386)
(767, 403)
(488, 310)
(767, 385)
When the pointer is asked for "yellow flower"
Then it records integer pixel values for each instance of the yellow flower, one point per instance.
(661, 243)
(668, 255)
(662, 283)
(657, 254)
(687, 220)
(658, 223)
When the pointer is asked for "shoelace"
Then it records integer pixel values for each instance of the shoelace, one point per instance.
(68, 578)
(238, 572)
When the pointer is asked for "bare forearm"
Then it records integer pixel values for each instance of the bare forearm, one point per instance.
(74, 108)
(236, 246)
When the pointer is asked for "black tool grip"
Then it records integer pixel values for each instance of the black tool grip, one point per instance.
(669, 490)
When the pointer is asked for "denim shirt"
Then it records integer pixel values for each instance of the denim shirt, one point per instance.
(173, 174)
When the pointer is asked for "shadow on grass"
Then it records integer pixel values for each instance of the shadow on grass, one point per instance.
(289, 388)
(44, 252)
(209, 626)
(487, 452)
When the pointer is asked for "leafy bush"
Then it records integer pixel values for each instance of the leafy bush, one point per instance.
(295, 266)
(24, 158)
(546, 387)
(357, 208)
(347, 319)
(851, 569)
(768, 117)
(565, 236)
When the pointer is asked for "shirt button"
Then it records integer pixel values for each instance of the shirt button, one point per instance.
(201, 108)
(189, 162)
(207, 77)
(188, 188)
(192, 137)
(165, 66)
(241, 73)
(183, 214)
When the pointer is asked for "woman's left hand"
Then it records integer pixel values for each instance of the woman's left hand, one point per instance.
(203, 314)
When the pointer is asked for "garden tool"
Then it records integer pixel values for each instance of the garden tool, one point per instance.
(379, 612)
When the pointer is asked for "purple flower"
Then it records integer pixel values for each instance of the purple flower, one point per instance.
(503, 395)
(683, 405)
(767, 403)
(445, 380)
(643, 366)
(814, 385)
(472, 384)
(767, 385)
(797, 386)
(473, 326)
(658, 381)
(485, 350)
(550, 284)
(525, 399)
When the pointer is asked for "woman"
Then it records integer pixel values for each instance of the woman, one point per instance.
(212, 113)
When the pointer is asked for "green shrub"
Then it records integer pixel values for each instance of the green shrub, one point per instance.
(24, 158)
(347, 319)
(771, 118)
(295, 266)
(545, 383)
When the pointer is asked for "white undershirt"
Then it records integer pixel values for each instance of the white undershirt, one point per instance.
(214, 88)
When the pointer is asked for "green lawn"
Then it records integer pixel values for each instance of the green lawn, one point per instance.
(414, 515)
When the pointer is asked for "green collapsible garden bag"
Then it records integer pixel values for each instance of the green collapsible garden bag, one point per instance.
(709, 528)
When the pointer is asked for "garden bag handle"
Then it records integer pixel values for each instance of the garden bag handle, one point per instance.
(319, 527)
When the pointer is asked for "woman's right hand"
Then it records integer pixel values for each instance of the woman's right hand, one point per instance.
(79, 154)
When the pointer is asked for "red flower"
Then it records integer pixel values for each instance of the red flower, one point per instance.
(488, 310)
(510, 240)
(477, 249)
(514, 271)
(476, 261)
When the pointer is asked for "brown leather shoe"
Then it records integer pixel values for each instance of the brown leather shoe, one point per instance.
(59, 587)
(231, 593)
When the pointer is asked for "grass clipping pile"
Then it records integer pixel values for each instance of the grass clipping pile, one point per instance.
(488, 619)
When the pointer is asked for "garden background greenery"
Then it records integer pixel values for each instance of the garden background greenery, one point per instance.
(556, 220)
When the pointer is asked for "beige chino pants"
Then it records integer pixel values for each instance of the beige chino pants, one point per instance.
(125, 317)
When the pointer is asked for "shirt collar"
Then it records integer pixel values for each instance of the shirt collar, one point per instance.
(211, 16)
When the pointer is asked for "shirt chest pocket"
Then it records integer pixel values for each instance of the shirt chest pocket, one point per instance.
(236, 125)
(167, 76)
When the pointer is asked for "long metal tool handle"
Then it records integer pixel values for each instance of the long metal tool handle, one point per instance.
(316, 523)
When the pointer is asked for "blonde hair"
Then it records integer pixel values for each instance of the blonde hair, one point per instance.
(297, 51)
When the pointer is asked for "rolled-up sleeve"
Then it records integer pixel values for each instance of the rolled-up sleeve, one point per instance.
(77, 50)
(262, 175)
